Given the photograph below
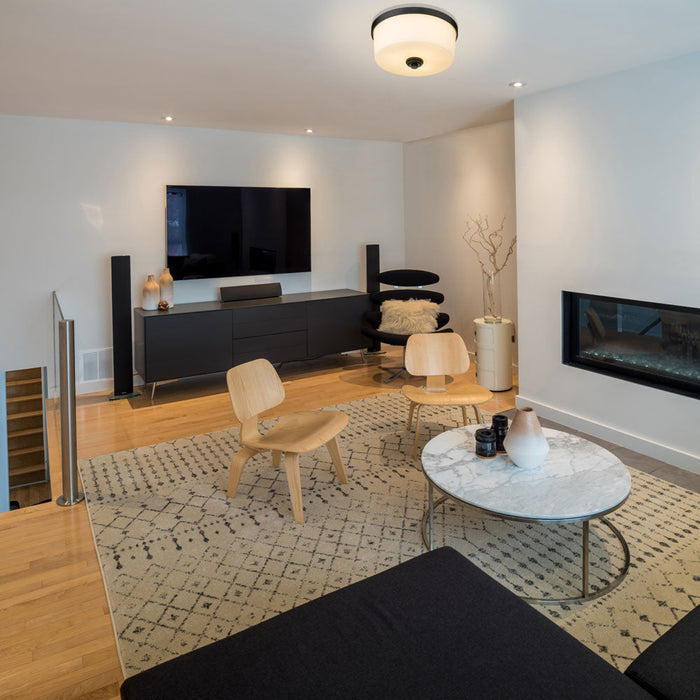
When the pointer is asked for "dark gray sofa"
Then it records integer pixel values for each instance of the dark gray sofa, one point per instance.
(433, 627)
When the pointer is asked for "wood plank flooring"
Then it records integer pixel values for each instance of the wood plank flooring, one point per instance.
(56, 636)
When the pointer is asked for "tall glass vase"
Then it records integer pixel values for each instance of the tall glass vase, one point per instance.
(492, 297)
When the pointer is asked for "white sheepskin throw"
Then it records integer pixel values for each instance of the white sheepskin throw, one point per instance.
(408, 316)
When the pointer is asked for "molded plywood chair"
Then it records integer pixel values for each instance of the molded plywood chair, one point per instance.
(255, 387)
(434, 355)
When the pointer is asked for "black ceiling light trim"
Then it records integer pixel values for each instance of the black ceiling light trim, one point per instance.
(414, 11)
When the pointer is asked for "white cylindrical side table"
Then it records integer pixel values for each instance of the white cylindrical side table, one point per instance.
(494, 354)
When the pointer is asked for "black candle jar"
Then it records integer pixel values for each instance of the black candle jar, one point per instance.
(499, 425)
(485, 442)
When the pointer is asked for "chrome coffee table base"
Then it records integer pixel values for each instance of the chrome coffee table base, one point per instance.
(586, 594)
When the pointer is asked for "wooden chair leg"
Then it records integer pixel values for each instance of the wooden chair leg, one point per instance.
(276, 458)
(465, 420)
(477, 413)
(411, 409)
(291, 466)
(334, 451)
(415, 441)
(237, 464)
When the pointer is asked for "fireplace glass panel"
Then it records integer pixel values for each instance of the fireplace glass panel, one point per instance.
(655, 344)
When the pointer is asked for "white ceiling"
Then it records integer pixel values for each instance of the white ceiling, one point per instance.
(286, 65)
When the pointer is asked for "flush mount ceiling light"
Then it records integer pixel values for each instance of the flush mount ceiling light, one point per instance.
(414, 40)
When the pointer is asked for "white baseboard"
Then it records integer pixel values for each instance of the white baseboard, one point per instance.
(100, 385)
(92, 387)
(665, 453)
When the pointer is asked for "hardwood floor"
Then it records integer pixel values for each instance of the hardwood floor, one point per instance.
(56, 637)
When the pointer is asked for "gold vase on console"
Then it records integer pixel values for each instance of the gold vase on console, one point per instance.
(167, 292)
(151, 294)
(525, 442)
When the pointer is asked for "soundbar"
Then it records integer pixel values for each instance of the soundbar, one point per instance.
(251, 291)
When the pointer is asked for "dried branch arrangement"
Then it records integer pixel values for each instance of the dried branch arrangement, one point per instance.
(486, 243)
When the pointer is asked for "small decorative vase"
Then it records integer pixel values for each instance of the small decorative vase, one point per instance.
(499, 425)
(166, 287)
(151, 294)
(525, 442)
(492, 297)
(485, 440)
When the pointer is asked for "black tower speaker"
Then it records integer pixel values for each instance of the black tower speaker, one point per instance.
(372, 272)
(372, 267)
(121, 326)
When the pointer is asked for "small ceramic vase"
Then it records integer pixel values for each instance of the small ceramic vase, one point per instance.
(151, 294)
(166, 287)
(525, 442)
(485, 440)
(499, 425)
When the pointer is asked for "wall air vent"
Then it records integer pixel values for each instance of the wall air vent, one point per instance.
(95, 365)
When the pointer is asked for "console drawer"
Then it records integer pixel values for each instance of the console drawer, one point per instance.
(269, 320)
(186, 345)
(276, 347)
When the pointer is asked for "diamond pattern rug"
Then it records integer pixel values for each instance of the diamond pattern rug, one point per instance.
(185, 566)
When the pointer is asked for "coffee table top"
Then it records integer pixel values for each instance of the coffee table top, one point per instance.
(578, 479)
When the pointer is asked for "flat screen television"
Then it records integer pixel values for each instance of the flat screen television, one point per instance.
(236, 231)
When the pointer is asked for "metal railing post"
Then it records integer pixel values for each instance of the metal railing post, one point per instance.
(69, 461)
(4, 458)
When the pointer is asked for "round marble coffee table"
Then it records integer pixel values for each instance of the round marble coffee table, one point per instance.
(577, 482)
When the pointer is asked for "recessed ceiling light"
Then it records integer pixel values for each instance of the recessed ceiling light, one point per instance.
(309, 131)
(517, 83)
(168, 118)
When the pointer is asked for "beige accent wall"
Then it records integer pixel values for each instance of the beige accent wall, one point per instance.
(607, 176)
(446, 180)
(73, 193)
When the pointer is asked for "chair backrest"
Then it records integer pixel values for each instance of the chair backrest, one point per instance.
(254, 387)
(407, 278)
(436, 354)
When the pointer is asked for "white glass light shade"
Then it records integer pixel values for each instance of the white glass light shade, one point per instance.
(406, 36)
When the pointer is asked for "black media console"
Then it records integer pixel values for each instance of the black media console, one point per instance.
(213, 336)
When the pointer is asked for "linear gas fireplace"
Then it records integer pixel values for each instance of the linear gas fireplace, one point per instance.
(641, 341)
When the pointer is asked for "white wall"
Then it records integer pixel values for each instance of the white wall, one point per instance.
(73, 193)
(607, 175)
(448, 179)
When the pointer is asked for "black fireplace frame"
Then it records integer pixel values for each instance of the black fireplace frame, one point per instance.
(571, 343)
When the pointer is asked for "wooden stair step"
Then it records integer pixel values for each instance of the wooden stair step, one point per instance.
(27, 397)
(26, 432)
(23, 387)
(17, 374)
(22, 382)
(16, 442)
(25, 414)
(25, 457)
(37, 476)
(17, 471)
(25, 450)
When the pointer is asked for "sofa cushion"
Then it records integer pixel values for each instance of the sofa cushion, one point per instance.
(433, 627)
(670, 667)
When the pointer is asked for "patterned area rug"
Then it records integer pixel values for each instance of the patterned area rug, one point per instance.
(184, 566)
